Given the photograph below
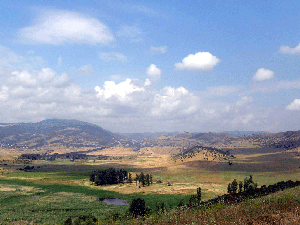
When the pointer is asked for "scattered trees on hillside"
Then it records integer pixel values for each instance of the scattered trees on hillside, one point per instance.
(247, 186)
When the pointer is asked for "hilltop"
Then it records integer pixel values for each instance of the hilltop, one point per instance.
(53, 131)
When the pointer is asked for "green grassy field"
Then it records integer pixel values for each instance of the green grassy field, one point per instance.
(22, 200)
(58, 190)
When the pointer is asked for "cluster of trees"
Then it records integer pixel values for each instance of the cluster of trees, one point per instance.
(144, 179)
(113, 176)
(108, 176)
(251, 192)
(247, 185)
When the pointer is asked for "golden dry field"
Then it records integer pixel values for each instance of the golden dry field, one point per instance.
(211, 173)
(52, 183)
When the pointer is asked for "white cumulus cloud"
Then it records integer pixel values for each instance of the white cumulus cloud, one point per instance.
(288, 50)
(153, 72)
(120, 91)
(295, 105)
(263, 74)
(203, 61)
(22, 78)
(57, 27)
(174, 103)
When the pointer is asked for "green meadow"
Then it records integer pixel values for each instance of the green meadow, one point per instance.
(56, 191)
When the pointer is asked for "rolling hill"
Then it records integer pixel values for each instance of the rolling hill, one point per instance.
(54, 131)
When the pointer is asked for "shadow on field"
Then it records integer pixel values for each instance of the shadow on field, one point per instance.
(85, 170)
(279, 162)
(249, 151)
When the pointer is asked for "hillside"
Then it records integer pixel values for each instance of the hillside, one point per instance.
(277, 208)
(53, 131)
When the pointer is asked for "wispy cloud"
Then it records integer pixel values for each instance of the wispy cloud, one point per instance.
(159, 49)
(59, 61)
(274, 87)
(221, 90)
(132, 33)
(86, 69)
(288, 50)
(57, 27)
(112, 56)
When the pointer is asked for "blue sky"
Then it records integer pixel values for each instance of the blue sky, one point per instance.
(134, 66)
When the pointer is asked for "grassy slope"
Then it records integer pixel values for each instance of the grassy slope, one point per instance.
(279, 208)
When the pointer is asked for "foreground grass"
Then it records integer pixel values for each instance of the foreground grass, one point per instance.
(278, 208)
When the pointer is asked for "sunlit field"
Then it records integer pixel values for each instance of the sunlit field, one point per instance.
(56, 190)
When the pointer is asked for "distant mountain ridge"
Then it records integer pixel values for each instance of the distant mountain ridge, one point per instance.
(242, 133)
(51, 131)
(75, 133)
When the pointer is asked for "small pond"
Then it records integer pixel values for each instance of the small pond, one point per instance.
(114, 201)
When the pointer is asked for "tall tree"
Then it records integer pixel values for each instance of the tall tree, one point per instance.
(137, 178)
(240, 186)
(199, 194)
(234, 186)
(129, 178)
(147, 179)
(142, 178)
(229, 188)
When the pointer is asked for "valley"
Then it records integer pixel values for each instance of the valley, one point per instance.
(179, 165)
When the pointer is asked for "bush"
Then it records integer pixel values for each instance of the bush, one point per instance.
(138, 208)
